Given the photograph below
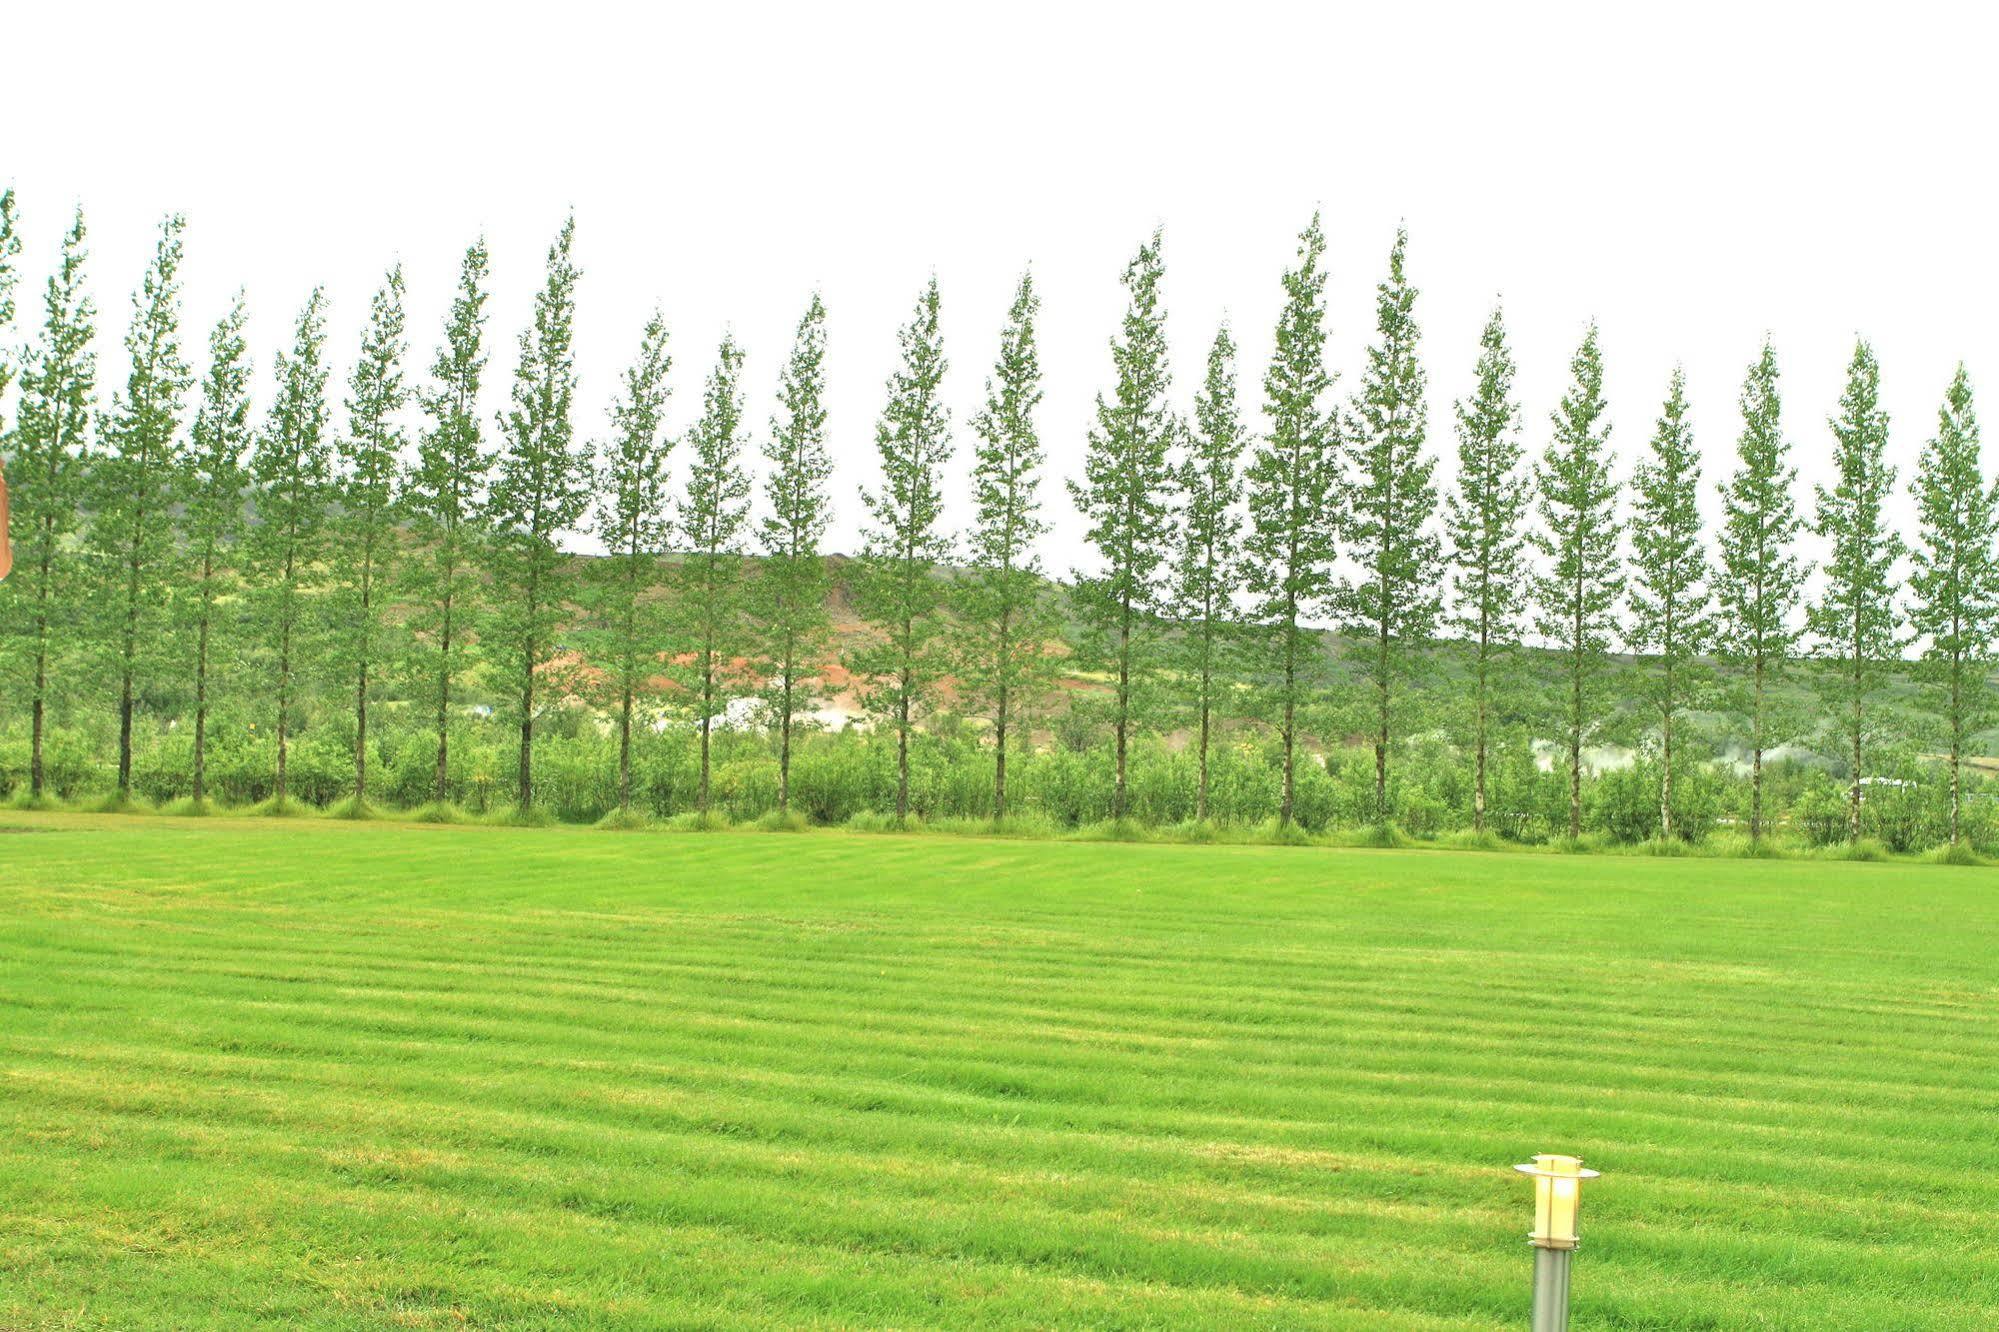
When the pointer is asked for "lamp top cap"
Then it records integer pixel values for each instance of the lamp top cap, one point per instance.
(1551, 1166)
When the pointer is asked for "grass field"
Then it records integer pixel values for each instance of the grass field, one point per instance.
(309, 1073)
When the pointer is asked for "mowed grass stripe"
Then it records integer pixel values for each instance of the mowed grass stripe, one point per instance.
(903, 1082)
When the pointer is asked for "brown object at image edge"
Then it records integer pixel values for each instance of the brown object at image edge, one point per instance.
(6, 545)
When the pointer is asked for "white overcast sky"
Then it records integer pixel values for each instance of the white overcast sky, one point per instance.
(1689, 175)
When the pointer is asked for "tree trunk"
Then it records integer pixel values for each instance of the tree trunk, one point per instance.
(365, 628)
(1483, 707)
(1000, 716)
(1853, 794)
(999, 760)
(625, 749)
(201, 684)
(1756, 757)
(1207, 708)
(1382, 696)
(1576, 721)
(1123, 708)
(284, 713)
(1666, 778)
(443, 788)
(1956, 740)
(39, 725)
(525, 777)
(1288, 804)
(707, 721)
(128, 655)
(902, 752)
(532, 608)
(1576, 751)
(784, 708)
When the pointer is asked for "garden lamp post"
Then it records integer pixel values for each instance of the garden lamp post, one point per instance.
(1558, 1186)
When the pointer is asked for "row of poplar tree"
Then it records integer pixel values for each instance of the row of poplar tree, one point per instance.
(1220, 547)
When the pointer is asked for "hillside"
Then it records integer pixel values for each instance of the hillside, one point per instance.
(1435, 695)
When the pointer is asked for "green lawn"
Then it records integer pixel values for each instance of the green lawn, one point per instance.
(321, 1074)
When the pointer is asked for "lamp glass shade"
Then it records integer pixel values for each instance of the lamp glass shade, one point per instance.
(1557, 1199)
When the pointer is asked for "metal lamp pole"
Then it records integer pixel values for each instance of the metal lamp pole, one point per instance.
(1557, 1207)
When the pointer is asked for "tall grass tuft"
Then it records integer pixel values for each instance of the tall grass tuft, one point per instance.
(513, 816)
(1954, 853)
(288, 808)
(695, 821)
(187, 807)
(782, 820)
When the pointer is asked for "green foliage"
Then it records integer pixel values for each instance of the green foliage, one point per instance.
(443, 496)
(368, 490)
(634, 519)
(1758, 575)
(290, 468)
(1670, 613)
(896, 588)
(131, 489)
(788, 596)
(712, 519)
(1854, 619)
(1292, 486)
(1577, 589)
(1126, 502)
(1391, 608)
(211, 488)
(1487, 546)
(541, 489)
(1209, 569)
(1004, 619)
(38, 614)
(1955, 582)
(10, 278)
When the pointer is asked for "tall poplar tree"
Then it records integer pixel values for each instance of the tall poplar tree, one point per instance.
(1670, 598)
(10, 277)
(58, 387)
(291, 469)
(1003, 618)
(789, 593)
(1759, 576)
(132, 490)
(1391, 609)
(1577, 590)
(541, 487)
(444, 497)
(1484, 516)
(634, 519)
(1955, 582)
(713, 517)
(896, 589)
(1854, 618)
(1208, 564)
(369, 492)
(212, 489)
(1293, 485)
(1126, 498)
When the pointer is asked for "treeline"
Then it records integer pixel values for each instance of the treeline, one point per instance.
(404, 546)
